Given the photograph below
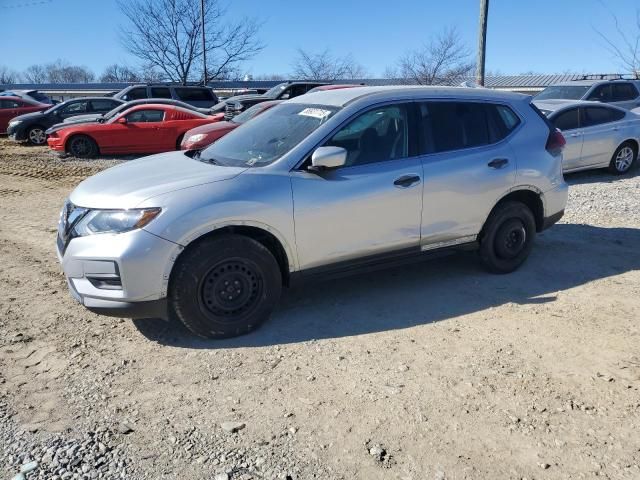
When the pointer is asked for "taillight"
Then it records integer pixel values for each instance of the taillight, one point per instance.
(555, 142)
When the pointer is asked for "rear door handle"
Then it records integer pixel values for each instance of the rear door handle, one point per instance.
(498, 163)
(406, 181)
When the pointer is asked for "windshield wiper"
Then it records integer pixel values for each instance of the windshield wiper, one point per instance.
(198, 156)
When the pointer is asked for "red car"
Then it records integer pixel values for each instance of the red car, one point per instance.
(201, 137)
(335, 86)
(149, 128)
(11, 107)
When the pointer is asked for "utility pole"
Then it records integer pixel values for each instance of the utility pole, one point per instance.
(204, 44)
(482, 41)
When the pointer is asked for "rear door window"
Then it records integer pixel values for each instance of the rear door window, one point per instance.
(9, 104)
(450, 126)
(160, 92)
(593, 116)
(567, 120)
(102, 106)
(624, 92)
(194, 94)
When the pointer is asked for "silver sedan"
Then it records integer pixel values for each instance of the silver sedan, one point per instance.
(597, 135)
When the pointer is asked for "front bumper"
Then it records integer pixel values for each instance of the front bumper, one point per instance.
(123, 275)
(55, 143)
(17, 133)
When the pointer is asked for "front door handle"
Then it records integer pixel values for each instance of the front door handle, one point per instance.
(498, 163)
(406, 181)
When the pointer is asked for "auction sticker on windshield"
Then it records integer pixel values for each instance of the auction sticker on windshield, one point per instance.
(315, 113)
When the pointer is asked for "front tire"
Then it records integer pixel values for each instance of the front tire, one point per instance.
(82, 146)
(36, 135)
(225, 286)
(507, 237)
(623, 158)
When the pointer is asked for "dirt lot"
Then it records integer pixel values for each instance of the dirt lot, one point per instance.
(435, 371)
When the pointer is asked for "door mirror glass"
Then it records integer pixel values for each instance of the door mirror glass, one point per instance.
(328, 157)
(285, 96)
(122, 120)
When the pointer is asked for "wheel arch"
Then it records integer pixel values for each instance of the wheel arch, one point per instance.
(266, 236)
(531, 196)
(632, 141)
(79, 134)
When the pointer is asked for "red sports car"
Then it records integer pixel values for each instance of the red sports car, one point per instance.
(11, 107)
(201, 137)
(149, 128)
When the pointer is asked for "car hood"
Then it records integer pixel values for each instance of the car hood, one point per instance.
(60, 126)
(212, 127)
(28, 116)
(129, 184)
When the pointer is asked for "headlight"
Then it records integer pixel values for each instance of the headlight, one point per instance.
(197, 137)
(114, 221)
(15, 122)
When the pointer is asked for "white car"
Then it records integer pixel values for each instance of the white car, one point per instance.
(597, 135)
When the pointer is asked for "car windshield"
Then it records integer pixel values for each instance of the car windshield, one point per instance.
(268, 137)
(275, 92)
(115, 111)
(564, 92)
(55, 107)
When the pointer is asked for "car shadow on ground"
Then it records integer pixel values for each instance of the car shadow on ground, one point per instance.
(599, 176)
(564, 257)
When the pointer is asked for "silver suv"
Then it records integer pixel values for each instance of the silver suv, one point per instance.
(325, 184)
(619, 92)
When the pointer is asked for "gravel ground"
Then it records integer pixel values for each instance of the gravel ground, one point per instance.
(433, 371)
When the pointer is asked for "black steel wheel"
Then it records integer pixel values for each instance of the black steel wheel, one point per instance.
(224, 286)
(507, 237)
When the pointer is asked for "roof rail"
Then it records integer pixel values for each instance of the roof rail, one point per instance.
(607, 76)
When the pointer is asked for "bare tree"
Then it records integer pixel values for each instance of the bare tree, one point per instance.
(119, 73)
(325, 66)
(166, 34)
(61, 71)
(35, 74)
(444, 60)
(149, 73)
(7, 75)
(625, 44)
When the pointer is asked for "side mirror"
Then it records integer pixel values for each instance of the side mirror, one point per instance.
(324, 158)
(122, 120)
(285, 96)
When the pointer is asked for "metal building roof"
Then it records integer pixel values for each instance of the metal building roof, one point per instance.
(509, 82)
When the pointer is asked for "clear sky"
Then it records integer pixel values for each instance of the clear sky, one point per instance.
(548, 36)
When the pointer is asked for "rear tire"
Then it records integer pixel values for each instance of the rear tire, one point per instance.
(82, 146)
(36, 135)
(507, 237)
(225, 286)
(623, 158)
